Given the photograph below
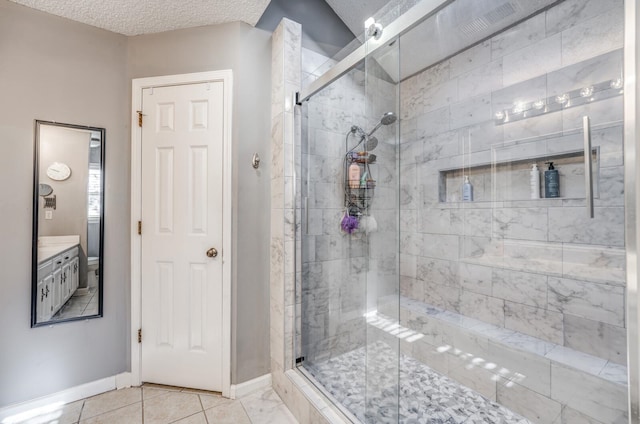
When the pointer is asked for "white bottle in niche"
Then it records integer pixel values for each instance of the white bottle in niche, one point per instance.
(535, 181)
(467, 190)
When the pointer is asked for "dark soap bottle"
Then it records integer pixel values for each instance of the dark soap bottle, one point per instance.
(551, 181)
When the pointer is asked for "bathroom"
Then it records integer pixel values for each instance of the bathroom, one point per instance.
(511, 298)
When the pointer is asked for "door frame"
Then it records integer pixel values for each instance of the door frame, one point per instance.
(226, 77)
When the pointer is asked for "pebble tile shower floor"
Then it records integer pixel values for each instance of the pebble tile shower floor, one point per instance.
(426, 397)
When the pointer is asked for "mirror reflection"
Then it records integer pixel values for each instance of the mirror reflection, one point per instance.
(68, 223)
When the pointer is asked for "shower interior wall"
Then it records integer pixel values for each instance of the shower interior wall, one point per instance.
(537, 271)
(345, 275)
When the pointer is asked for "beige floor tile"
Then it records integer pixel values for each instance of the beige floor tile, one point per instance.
(131, 414)
(193, 419)
(211, 401)
(109, 401)
(151, 392)
(170, 407)
(65, 414)
(228, 413)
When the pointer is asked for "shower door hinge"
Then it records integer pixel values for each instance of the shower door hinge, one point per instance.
(139, 335)
(140, 115)
(139, 228)
(299, 360)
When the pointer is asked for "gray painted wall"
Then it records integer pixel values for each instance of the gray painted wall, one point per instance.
(58, 70)
(247, 51)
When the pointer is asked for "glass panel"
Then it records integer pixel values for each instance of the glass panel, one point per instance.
(517, 293)
(486, 293)
(333, 284)
(380, 223)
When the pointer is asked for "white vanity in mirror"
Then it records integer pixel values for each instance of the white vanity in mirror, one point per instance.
(58, 273)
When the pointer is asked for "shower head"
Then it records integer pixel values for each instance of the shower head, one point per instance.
(371, 143)
(387, 119)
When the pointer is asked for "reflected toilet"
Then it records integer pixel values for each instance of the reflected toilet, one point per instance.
(93, 263)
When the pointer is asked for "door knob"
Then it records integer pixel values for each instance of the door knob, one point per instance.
(212, 253)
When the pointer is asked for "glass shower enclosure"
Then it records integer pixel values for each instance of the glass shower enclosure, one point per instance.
(462, 217)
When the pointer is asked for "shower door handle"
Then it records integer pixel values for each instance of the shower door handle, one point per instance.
(588, 176)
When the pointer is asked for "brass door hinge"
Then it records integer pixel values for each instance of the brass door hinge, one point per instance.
(139, 228)
(140, 335)
(140, 115)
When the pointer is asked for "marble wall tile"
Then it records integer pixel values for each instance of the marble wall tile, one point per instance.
(572, 225)
(519, 223)
(522, 35)
(471, 222)
(412, 288)
(435, 221)
(437, 271)
(598, 35)
(470, 59)
(571, 416)
(483, 136)
(533, 127)
(610, 141)
(470, 111)
(594, 70)
(485, 308)
(616, 373)
(610, 187)
(596, 338)
(441, 95)
(574, 12)
(434, 75)
(536, 322)
(526, 368)
(590, 395)
(598, 302)
(475, 278)
(428, 354)
(520, 287)
(593, 263)
(441, 296)
(600, 112)
(481, 80)
(433, 123)
(531, 405)
(411, 153)
(440, 246)
(478, 379)
(578, 360)
(532, 61)
(438, 146)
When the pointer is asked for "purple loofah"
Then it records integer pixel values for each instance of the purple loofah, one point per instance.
(349, 224)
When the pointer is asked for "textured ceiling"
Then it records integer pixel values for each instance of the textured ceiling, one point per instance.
(135, 17)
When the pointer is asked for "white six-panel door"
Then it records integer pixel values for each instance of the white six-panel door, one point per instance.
(181, 190)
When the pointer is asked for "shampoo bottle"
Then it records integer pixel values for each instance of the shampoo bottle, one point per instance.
(467, 190)
(534, 180)
(354, 175)
(551, 181)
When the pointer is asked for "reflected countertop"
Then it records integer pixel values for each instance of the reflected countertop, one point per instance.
(51, 246)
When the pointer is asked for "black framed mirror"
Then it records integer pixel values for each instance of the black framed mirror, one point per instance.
(68, 223)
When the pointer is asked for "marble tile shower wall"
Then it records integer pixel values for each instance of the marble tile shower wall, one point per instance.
(340, 269)
(540, 267)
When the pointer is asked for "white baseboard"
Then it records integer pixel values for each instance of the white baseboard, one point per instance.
(240, 390)
(22, 411)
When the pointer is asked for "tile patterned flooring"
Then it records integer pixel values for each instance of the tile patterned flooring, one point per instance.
(152, 404)
(425, 395)
(82, 303)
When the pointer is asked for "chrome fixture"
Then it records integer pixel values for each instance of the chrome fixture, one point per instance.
(255, 161)
(577, 97)
(373, 28)
(372, 142)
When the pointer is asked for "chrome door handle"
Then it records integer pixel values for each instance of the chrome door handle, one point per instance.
(588, 176)
(212, 253)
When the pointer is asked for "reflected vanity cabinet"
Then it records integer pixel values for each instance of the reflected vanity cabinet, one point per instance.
(58, 279)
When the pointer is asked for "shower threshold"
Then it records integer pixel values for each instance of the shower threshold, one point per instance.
(370, 394)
